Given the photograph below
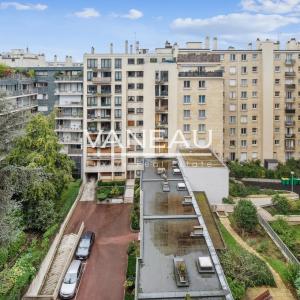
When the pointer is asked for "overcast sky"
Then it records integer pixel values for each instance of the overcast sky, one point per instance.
(72, 26)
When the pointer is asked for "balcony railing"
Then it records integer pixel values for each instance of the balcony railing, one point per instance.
(63, 115)
(162, 109)
(18, 93)
(289, 123)
(218, 73)
(289, 62)
(69, 128)
(290, 85)
(103, 80)
(290, 110)
(290, 135)
(69, 78)
(290, 147)
(289, 100)
(290, 74)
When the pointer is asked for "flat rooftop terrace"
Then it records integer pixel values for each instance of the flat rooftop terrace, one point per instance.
(166, 234)
(200, 158)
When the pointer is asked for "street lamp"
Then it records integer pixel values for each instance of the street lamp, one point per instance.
(292, 173)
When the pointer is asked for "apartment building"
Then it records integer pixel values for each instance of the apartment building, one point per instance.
(58, 85)
(247, 98)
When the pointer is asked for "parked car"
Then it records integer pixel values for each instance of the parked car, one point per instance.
(165, 186)
(85, 245)
(71, 280)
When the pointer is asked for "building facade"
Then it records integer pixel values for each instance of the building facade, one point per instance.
(247, 98)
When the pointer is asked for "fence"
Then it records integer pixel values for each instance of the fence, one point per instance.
(277, 240)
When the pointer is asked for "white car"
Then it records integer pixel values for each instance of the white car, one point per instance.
(71, 280)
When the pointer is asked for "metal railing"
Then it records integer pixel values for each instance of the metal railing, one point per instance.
(277, 240)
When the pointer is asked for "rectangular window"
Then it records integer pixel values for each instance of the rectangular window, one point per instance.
(232, 57)
(243, 94)
(202, 99)
(118, 113)
(140, 61)
(131, 61)
(201, 113)
(186, 99)
(186, 127)
(243, 57)
(232, 82)
(139, 86)
(92, 63)
(139, 98)
(186, 84)
(232, 70)
(118, 101)
(202, 84)
(232, 119)
(131, 86)
(244, 82)
(232, 95)
(118, 63)
(202, 128)
(118, 76)
(186, 114)
(106, 63)
(254, 69)
(244, 70)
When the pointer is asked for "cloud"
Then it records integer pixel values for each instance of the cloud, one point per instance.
(133, 14)
(87, 13)
(23, 6)
(271, 6)
(233, 24)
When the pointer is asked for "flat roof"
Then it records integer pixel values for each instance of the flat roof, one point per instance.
(167, 224)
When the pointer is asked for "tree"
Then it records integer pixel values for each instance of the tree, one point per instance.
(39, 148)
(245, 215)
(281, 203)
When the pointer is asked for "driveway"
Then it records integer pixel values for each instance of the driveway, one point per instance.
(104, 272)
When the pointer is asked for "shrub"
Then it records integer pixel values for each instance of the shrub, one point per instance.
(102, 196)
(281, 203)
(228, 200)
(135, 220)
(245, 215)
(246, 268)
(237, 288)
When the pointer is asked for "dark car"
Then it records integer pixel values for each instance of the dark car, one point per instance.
(85, 245)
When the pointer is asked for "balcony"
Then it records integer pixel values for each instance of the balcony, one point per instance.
(69, 104)
(69, 79)
(20, 92)
(289, 62)
(290, 100)
(290, 86)
(289, 123)
(161, 94)
(61, 115)
(162, 109)
(101, 80)
(70, 141)
(289, 147)
(161, 124)
(290, 110)
(161, 80)
(290, 74)
(67, 92)
(68, 128)
(218, 73)
(290, 135)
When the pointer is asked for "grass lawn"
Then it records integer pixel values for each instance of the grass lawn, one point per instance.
(68, 197)
(230, 242)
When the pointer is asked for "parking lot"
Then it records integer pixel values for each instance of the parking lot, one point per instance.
(104, 272)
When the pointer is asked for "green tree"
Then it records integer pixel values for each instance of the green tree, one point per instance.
(245, 215)
(281, 203)
(39, 148)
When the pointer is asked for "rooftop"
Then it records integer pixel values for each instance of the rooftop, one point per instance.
(168, 223)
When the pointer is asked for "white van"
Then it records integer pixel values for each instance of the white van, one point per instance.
(181, 186)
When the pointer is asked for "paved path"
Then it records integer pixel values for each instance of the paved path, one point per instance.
(104, 273)
(281, 292)
(89, 191)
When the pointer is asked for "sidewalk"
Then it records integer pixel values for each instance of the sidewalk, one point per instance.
(281, 291)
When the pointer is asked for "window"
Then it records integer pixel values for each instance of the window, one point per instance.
(244, 119)
(243, 131)
(277, 81)
(243, 94)
(202, 84)
(90, 75)
(139, 74)
(139, 123)
(232, 119)
(130, 111)
(131, 61)
(277, 106)
(232, 155)
(139, 110)
(131, 86)
(254, 94)
(91, 101)
(277, 56)
(139, 98)
(118, 89)
(232, 95)
(140, 61)
(106, 63)
(186, 84)
(244, 106)
(118, 113)
(254, 105)
(254, 81)
(232, 57)
(92, 63)
(131, 98)
(254, 131)
(139, 86)
(118, 63)
(244, 82)
(254, 118)
(221, 57)
(118, 76)
(153, 60)
(232, 82)
(232, 131)
(254, 69)
(243, 57)
(276, 142)
(244, 70)
(202, 128)
(277, 68)
(202, 99)
(186, 114)
(186, 99)
(232, 70)
(254, 142)
(118, 101)
(232, 143)
(254, 56)
(202, 114)
(244, 143)
(276, 118)
(232, 107)
(186, 127)
(277, 93)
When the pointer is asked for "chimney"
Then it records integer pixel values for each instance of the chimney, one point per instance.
(207, 42)
(55, 58)
(257, 44)
(131, 49)
(137, 46)
(126, 47)
(250, 46)
(67, 58)
(111, 48)
(215, 43)
(93, 50)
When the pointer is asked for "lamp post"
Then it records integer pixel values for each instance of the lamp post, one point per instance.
(292, 173)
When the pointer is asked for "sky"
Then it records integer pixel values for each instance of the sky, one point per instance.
(72, 27)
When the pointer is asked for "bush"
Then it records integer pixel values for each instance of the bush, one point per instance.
(246, 268)
(111, 183)
(237, 288)
(228, 200)
(245, 215)
(135, 220)
(282, 204)
(102, 196)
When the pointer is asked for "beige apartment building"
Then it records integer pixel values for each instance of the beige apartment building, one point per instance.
(247, 98)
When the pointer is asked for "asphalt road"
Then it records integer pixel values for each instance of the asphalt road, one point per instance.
(104, 273)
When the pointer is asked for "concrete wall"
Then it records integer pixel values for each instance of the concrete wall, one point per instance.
(213, 181)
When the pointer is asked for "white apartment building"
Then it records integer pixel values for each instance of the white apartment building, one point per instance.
(248, 98)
